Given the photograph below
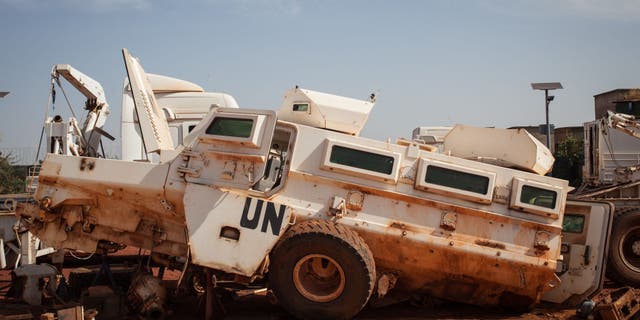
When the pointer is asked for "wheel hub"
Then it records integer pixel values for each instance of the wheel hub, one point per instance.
(636, 248)
(318, 278)
(630, 249)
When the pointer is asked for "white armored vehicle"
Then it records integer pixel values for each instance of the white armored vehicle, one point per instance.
(331, 220)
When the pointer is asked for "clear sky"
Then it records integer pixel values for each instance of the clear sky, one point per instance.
(432, 63)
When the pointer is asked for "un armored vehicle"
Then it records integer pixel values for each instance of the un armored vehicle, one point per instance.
(329, 219)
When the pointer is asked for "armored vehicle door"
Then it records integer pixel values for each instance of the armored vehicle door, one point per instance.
(585, 235)
(230, 231)
(232, 148)
(234, 166)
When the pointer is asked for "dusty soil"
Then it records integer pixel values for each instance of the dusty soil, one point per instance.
(258, 307)
(188, 306)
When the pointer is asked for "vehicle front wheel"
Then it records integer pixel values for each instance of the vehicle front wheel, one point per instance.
(322, 270)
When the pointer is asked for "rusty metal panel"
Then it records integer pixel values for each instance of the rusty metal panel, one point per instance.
(85, 200)
(621, 304)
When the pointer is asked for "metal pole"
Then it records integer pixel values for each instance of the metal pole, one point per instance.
(3, 259)
(546, 103)
(214, 309)
(210, 299)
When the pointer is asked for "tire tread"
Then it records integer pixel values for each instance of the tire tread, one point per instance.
(340, 233)
(615, 270)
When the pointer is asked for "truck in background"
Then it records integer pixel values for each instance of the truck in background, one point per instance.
(611, 173)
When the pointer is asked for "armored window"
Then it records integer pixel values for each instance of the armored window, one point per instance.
(455, 180)
(538, 197)
(363, 161)
(300, 107)
(235, 127)
(231, 127)
(573, 223)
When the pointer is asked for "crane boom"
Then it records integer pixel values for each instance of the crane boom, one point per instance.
(96, 105)
(625, 123)
(90, 88)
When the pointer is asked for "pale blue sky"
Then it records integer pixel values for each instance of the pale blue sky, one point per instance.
(433, 62)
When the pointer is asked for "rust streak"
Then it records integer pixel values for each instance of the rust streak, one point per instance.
(490, 244)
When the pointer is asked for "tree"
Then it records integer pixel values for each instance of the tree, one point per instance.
(569, 161)
(11, 179)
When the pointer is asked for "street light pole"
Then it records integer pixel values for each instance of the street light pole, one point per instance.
(546, 111)
(546, 86)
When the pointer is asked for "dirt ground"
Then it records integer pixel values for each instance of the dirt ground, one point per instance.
(188, 306)
(259, 307)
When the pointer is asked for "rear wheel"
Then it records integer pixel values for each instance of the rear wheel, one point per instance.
(322, 270)
(624, 252)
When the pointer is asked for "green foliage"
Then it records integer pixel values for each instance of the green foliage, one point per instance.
(569, 161)
(12, 180)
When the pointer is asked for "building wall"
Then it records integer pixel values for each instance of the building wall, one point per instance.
(605, 101)
(562, 134)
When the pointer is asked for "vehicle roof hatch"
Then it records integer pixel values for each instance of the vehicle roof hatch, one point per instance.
(326, 111)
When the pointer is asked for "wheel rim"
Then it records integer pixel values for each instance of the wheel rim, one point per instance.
(629, 249)
(318, 278)
(198, 283)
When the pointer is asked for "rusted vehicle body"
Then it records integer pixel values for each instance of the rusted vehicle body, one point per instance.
(330, 217)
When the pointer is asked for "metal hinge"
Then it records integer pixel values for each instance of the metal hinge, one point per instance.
(188, 153)
(338, 208)
(192, 172)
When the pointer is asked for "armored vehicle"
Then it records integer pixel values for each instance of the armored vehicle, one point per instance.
(327, 219)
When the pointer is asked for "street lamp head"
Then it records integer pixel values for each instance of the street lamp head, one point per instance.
(550, 98)
(3, 93)
(546, 86)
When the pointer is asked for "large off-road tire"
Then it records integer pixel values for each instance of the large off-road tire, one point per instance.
(322, 270)
(624, 250)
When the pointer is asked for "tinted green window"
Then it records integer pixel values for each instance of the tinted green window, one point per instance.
(300, 107)
(231, 127)
(573, 223)
(361, 159)
(457, 179)
(538, 197)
